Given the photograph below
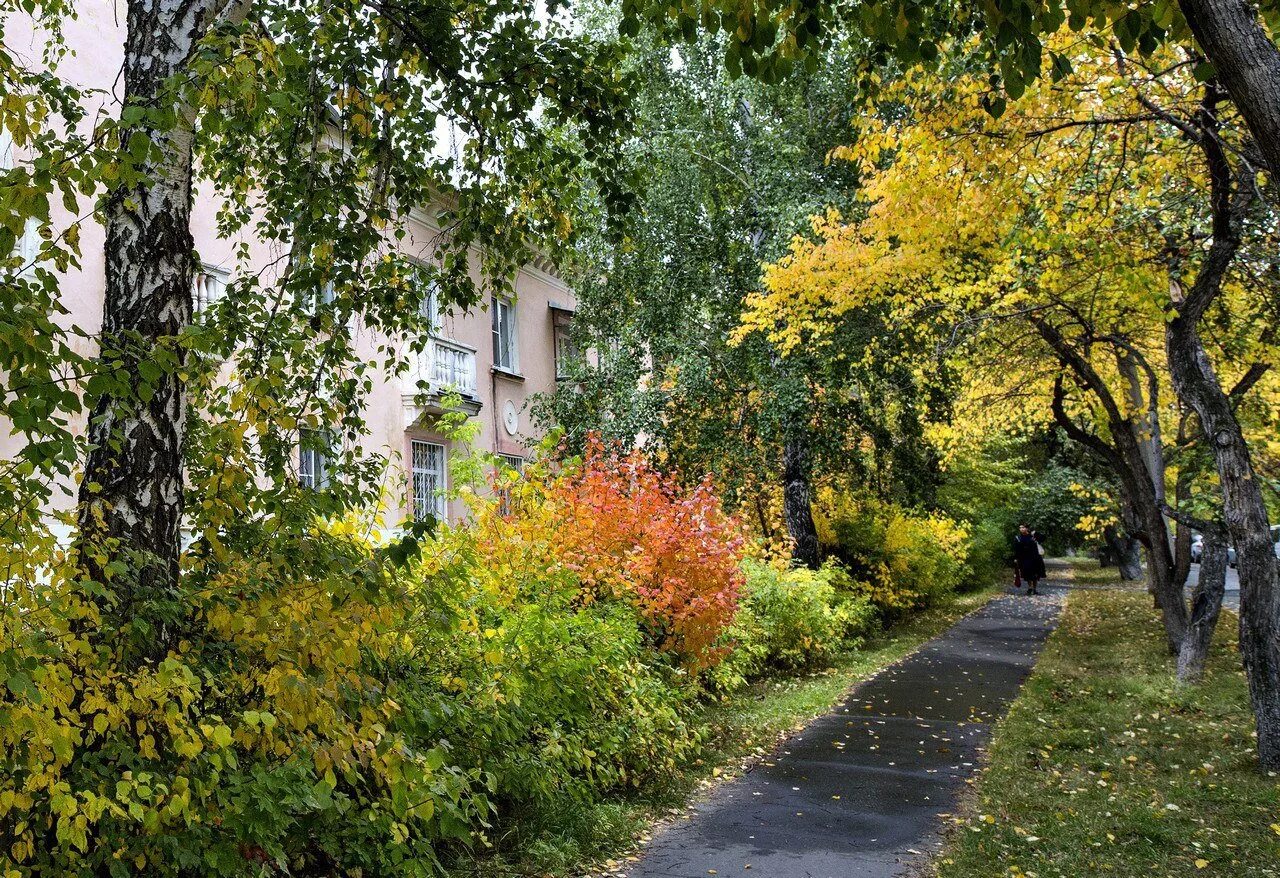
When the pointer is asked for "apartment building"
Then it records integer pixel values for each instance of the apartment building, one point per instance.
(497, 357)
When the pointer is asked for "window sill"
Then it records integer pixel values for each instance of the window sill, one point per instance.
(507, 373)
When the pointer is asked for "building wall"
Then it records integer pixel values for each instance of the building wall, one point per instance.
(97, 37)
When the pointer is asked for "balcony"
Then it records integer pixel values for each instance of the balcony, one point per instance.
(445, 367)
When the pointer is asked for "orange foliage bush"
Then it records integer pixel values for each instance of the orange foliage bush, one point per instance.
(630, 532)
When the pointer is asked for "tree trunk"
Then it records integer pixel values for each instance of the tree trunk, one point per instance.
(1247, 63)
(1196, 383)
(1182, 533)
(1248, 525)
(797, 501)
(1127, 551)
(1166, 592)
(130, 502)
(1206, 604)
(1128, 454)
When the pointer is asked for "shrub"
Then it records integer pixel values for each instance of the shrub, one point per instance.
(900, 560)
(789, 619)
(242, 722)
(628, 531)
(545, 694)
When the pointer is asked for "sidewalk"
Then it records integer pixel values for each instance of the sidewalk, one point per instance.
(859, 791)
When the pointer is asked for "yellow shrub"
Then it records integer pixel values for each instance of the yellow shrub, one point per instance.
(900, 559)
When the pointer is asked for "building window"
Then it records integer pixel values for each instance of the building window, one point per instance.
(428, 480)
(207, 287)
(318, 299)
(565, 352)
(505, 355)
(313, 459)
(507, 463)
(429, 309)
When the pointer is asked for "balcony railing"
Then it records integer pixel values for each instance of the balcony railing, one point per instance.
(449, 366)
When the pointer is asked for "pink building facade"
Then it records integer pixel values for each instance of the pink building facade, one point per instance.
(498, 356)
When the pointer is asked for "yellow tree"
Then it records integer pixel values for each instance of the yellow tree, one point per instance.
(1036, 250)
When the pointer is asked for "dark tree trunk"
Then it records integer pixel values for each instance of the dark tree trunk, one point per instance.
(1247, 523)
(1196, 382)
(1206, 604)
(1247, 63)
(1127, 551)
(1128, 454)
(797, 501)
(130, 503)
(1167, 593)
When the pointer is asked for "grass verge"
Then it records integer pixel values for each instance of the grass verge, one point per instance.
(585, 838)
(1105, 766)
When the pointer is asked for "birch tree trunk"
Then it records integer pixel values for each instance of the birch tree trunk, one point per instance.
(130, 502)
(1247, 63)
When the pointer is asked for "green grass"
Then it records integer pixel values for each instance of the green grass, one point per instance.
(1106, 767)
(580, 838)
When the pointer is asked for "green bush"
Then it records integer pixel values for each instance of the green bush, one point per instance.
(789, 620)
(549, 698)
(990, 547)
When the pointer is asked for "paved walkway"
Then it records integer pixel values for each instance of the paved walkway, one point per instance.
(857, 794)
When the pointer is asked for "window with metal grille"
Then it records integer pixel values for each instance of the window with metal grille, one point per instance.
(428, 473)
(313, 459)
(507, 463)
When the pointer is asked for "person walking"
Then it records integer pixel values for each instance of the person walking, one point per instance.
(1029, 558)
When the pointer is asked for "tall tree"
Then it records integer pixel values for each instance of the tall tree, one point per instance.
(1232, 194)
(728, 171)
(1048, 238)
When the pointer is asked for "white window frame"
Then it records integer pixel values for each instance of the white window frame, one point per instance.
(421, 474)
(27, 247)
(506, 351)
(314, 468)
(315, 298)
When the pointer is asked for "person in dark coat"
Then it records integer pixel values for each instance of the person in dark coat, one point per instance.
(1026, 554)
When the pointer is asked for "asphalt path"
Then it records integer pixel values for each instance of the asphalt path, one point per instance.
(859, 792)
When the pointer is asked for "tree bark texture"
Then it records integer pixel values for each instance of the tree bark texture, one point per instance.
(797, 501)
(130, 502)
(1247, 63)
(1247, 523)
(1127, 550)
(1206, 604)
